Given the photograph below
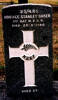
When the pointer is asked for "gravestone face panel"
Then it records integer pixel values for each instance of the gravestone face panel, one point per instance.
(28, 48)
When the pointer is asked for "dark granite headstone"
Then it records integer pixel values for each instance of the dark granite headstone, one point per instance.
(28, 49)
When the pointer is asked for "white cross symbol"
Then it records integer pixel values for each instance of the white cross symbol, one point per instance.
(28, 52)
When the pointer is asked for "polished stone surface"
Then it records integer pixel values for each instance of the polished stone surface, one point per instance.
(3, 95)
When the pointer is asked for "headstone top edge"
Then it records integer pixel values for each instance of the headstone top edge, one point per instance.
(15, 5)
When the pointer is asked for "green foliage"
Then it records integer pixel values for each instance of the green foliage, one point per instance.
(1, 67)
(57, 2)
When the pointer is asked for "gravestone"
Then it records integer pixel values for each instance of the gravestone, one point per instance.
(28, 48)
